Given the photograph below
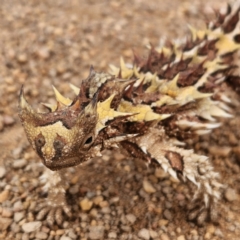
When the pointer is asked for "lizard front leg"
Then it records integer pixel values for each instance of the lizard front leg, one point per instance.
(55, 205)
(184, 165)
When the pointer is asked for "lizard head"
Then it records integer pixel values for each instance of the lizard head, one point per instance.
(73, 131)
(63, 137)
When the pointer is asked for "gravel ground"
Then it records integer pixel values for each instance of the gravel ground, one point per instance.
(115, 197)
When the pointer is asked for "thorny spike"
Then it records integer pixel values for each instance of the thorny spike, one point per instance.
(60, 98)
(125, 72)
(50, 107)
(74, 88)
(128, 91)
(92, 106)
(139, 88)
(114, 70)
(117, 139)
(23, 104)
(91, 72)
(22, 101)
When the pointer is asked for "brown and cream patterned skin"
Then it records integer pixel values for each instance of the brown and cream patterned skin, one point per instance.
(149, 109)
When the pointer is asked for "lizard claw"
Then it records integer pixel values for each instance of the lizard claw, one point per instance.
(53, 213)
(200, 213)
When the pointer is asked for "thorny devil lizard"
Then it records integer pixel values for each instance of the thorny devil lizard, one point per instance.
(148, 109)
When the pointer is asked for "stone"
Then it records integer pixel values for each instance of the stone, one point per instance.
(4, 223)
(164, 236)
(159, 173)
(106, 210)
(131, 218)
(4, 196)
(144, 234)
(86, 204)
(41, 235)
(72, 234)
(18, 216)
(6, 212)
(148, 187)
(2, 171)
(43, 53)
(182, 237)
(97, 200)
(168, 215)
(65, 238)
(126, 228)
(211, 229)
(1, 123)
(162, 222)
(17, 206)
(22, 58)
(96, 232)
(112, 235)
(60, 232)
(8, 120)
(15, 228)
(25, 236)
(20, 163)
(153, 234)
(103, 204)
(220, 151)
(31, 226)
(230, 194)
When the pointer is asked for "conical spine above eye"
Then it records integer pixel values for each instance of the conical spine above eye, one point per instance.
(25, 109)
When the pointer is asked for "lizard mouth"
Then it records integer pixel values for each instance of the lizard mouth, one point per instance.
(55, 165)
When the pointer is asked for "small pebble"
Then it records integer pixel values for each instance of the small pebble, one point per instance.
(31, 226)
(4, 196)
(144, 234)
(96, 232)
(230, 194)
(164, 237)
(168, 215)
(6, 212)
(18, 206)
(20, 163)
(65, 238)
(72, 234)
(43, 53)
(131, 218)
(181, 237)
(25, 236)
(220, 151)
(2, 171)
(8, 120)
(1, 123)
(148, 187)
(41, 235)
(22, 58)
(18, 216)
(162, 222)
(112, 235)
(86, 204)
(97, 200)
(5, 223)
(153, 234)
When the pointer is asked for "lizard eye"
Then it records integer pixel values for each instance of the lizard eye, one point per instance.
(58, 144)
(39, 141)
(88, 141)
